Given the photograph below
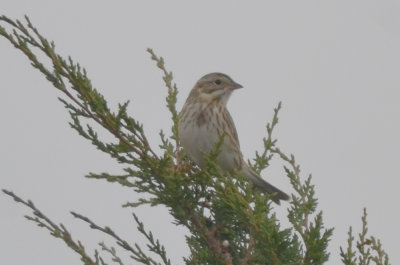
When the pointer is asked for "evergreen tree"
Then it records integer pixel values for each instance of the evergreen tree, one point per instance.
(228, 222)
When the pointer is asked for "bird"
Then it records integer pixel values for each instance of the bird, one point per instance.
(204, 118)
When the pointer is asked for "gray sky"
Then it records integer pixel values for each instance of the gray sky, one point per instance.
(333, 64)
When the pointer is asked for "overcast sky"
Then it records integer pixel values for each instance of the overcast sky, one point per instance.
(333, 64)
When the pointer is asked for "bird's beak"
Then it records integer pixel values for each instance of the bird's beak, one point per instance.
(235, 86)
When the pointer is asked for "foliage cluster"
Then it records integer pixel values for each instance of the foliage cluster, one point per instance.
(228, 222)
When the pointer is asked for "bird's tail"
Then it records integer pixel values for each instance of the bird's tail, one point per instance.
(264, 186)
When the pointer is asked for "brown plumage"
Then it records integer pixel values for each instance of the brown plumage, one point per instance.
(204, 118)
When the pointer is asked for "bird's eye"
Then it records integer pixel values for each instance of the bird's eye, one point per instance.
(217, 82)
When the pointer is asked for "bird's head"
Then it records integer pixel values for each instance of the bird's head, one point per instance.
(214, 87)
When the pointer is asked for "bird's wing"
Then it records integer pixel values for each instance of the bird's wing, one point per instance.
(231, 127)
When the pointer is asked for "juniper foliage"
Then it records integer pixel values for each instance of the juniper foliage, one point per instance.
(228, 222)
